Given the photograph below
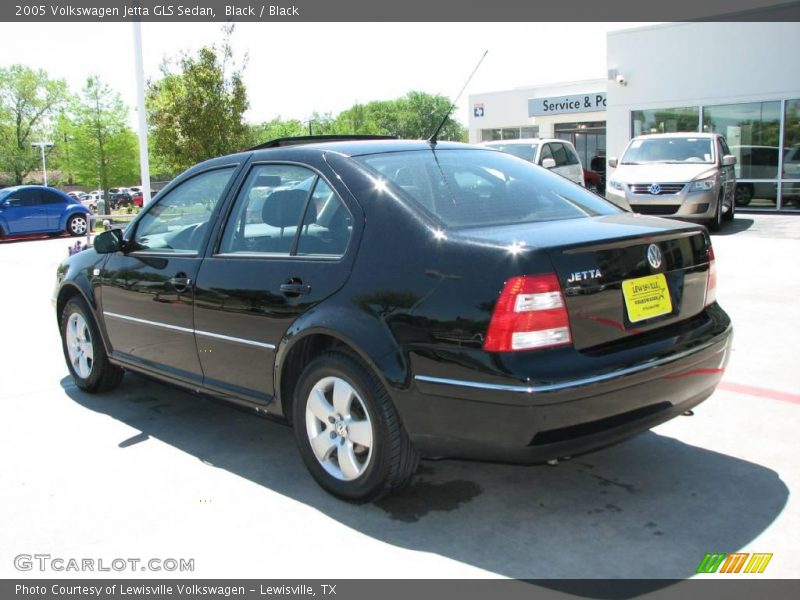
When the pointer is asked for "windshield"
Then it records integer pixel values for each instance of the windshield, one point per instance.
(475, 188)
(523, 151)
(669, 150)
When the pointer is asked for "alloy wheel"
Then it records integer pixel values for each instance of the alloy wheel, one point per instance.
(78, 226)
(339, 428)
(79, 345)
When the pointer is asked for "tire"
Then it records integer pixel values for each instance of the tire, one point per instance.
(77, 225)
(715, 223)
(731, 214)
(361, 422)
(83, 348)
(743, 194)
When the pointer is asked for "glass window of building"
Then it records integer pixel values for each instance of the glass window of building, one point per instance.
(509, 133)
(665, 120)
(752, 131)
(791, 156)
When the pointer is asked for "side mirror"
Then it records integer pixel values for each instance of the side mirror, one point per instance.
(548, 163)
(108, 242)
(612, 162)
(728, 160)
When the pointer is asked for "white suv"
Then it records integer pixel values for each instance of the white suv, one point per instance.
(557, 155)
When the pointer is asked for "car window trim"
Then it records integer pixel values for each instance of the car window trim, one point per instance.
(130, 232)
(248, 168)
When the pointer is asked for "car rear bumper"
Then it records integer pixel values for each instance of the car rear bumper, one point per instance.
(530, 424)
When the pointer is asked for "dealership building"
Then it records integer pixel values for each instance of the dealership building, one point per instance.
(739, 79)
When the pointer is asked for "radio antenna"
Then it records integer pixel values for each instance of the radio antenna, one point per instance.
(432, 139)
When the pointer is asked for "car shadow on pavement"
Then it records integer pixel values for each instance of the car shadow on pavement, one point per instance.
(738, 225)
(648, 508)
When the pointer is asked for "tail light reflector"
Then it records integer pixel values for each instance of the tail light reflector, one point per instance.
(530, 314)
(711, 286)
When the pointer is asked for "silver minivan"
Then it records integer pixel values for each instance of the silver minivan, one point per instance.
(683, 175)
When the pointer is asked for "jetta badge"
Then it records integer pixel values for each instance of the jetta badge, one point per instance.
(654, 189)
(654, 256)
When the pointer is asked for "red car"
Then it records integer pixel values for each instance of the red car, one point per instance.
(137, 200)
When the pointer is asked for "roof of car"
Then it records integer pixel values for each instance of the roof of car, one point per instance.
(14, 188)
(678, 134)
(522, 141)
(361, 147)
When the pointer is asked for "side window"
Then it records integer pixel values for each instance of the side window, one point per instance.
(268, 210)
(51, 198)
(723, 148)
(572, 156)
(327, 224)
(24, 198)
(560, 155)
(546, 153)
(177, 222)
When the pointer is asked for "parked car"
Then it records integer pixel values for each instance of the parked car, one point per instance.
(592, 181)
(554, 154)
(412, 300)
(685, 175)
(28, 209)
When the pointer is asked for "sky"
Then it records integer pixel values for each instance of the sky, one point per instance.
(294, 69)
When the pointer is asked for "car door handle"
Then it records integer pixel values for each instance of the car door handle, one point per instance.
(295, 288)
(180, 282)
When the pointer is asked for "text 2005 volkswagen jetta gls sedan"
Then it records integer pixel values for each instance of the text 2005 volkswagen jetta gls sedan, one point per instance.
(392, 299)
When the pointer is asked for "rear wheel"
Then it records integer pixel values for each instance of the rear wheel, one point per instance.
(84, 352)
(743, 194)
(348, 431)
(77, 225)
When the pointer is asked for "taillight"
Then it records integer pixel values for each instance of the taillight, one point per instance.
(530, 313)
(711, 286)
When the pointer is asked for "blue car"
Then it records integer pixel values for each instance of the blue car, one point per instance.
(29, 209)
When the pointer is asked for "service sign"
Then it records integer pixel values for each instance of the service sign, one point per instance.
(557, 105)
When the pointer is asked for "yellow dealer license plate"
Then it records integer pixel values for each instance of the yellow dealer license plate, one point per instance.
(646, 297)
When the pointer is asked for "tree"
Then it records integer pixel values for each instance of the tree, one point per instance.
(276, 128)
(29, 100)
(414, 116)
(198, 112)
(105, 149)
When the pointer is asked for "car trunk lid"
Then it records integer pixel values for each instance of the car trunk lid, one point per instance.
(611, 288)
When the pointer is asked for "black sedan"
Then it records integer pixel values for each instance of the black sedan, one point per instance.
(398, 299)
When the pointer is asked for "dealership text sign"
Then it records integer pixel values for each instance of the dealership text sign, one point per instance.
(557, 105)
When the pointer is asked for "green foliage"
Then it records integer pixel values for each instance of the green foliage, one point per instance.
(29, 100)
(197, 112)
(276, 128)
(414, 116)
(102, 148)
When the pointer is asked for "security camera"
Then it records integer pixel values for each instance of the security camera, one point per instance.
(621, 80)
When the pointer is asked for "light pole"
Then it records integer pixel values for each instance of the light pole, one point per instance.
(42, 146)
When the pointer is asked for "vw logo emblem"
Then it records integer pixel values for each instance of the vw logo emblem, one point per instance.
(654, 256)
(655, 189)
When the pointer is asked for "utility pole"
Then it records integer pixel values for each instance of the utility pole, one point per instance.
(42, 146)
(144, 157)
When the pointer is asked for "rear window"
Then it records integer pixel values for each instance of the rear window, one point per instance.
(475, 188)
(523, 151)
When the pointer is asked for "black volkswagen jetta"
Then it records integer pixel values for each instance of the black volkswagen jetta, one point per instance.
(397, 299)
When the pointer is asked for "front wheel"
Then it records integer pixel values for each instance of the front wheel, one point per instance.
(348, 431)
(84, 352)
(716, 221)
(77, 225)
